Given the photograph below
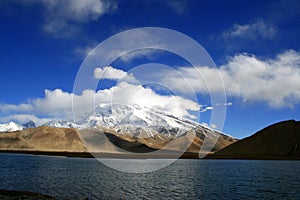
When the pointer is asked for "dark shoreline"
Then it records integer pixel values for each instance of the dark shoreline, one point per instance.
(167, 155)
(50, 153)
(15, 194)
(252, 157)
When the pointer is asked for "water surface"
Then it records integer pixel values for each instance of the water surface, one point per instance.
(77, 178)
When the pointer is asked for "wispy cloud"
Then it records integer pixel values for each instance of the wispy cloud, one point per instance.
(205, 109)
(139, 43)
(84, 51)
(178, 6)
(228, 104)
(275, 81)
(111, 73)
(256, 30)
(24, 118)
(4, 108)
(64, 17)
(141, 53)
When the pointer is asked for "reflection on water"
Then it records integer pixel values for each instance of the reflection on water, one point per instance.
(76, 178)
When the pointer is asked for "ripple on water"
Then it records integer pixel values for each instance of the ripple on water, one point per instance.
(78, 178)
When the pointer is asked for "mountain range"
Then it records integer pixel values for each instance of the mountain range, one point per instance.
(119, 129)
(132, 128)
(124, 117)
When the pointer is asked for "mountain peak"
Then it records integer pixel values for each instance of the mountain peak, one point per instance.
(128, 116)
(29, 124)
(10, 127)
(62, 124)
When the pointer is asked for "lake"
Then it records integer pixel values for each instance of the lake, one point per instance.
(78, 178)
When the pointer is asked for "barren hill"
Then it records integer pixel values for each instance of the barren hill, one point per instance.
(278, 141)
(42, 138)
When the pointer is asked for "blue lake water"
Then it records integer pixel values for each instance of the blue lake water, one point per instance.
(78, 178)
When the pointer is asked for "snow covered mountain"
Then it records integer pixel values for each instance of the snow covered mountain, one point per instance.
(63, 124)
(117, 114)
(29, 124)
(9, 127)
(134, 118)
(12, 126)
(125, 119)
(130, 127)
(154, 128)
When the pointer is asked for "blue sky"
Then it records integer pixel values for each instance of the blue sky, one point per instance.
(254, 44)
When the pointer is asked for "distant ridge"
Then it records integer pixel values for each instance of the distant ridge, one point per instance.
(277, 141)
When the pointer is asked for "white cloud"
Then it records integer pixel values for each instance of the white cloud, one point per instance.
(125, 93)
(140, 53)
(206, 108)
(24, 118)
(64, 16)
(109, 72)
(11, 107)
(275, 81)
(57, 104)
(255, 30)
(141, 42)
(228, 104)
(198, 79)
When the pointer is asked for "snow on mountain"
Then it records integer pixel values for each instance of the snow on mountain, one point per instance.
(132, 118)
(29, 124)
(63, 124)
(11, 126)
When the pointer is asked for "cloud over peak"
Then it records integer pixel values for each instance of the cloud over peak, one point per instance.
(57, 104)
(111, 73)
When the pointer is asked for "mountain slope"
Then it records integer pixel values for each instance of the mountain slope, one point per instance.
(62, 124)
(12, 126)
(42, 139)
(107, 140)
(278, 141)
(191, 141)
(130, 118)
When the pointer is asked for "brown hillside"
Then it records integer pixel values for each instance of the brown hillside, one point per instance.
(104, 140)
(280, 140)
(42, 139)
